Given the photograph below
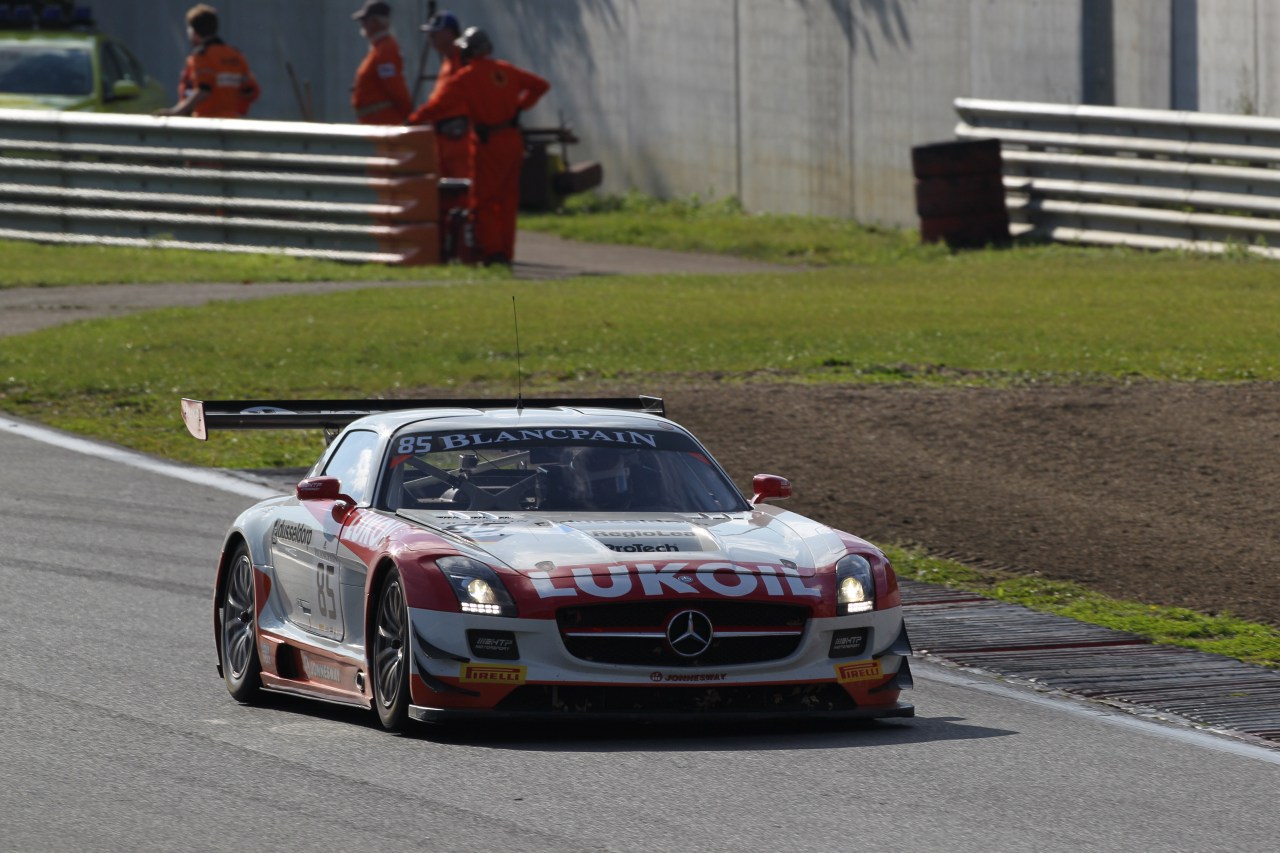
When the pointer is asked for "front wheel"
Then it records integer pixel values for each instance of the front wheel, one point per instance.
(241, 668)
(390, 654)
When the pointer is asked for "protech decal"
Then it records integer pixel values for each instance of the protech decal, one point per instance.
(474, 673)
(867, 670)
(641, 547)
(291, 531)
(454, 441)
(727, 579)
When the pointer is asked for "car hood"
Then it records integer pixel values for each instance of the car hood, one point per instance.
(45, 102)
(541, 542)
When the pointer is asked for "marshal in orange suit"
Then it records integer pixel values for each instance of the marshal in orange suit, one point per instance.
(452, 147)
(379, 95)
(216, 81)
(492, 94)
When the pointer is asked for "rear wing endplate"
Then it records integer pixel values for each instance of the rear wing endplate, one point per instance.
(200, 416)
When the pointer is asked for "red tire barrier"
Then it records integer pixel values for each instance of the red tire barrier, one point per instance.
(952, 159)
(960, 193)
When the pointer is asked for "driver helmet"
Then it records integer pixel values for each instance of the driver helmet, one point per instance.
(601, 477)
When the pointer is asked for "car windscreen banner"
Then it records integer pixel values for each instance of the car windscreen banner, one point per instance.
(518, 438)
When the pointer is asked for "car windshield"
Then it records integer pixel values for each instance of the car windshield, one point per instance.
(555, 469)
(45, 69)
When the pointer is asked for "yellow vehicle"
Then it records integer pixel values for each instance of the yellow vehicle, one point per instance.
(58, 62)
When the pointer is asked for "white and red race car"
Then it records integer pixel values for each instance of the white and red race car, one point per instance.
(561, 559)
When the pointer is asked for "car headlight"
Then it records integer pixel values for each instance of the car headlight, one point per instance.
(855, 590)
(478, 587)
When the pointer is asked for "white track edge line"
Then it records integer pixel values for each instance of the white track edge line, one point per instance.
(198, 476)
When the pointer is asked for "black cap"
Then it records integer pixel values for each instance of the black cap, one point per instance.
(372, 7)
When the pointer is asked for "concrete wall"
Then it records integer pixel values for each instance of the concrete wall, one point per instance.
(804, 106)
(1144, 32)
(1238, 69)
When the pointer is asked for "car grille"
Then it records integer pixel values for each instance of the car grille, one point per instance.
(635, 633)
(779, 699)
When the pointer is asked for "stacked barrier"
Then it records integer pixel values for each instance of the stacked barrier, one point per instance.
(352, 193)
(1156, 179)
(960, 193)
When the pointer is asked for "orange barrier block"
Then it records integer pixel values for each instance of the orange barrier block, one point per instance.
(415, 196)
(417, 244)
(412, 148)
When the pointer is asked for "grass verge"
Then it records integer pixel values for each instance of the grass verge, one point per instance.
(24, 264)
(120, 378)
(722, 227)
(1175, 626)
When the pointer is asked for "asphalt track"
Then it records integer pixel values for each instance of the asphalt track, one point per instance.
(118, 734)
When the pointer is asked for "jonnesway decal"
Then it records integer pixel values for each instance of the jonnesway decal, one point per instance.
(687, 678)
(680, 578)
(321, 671)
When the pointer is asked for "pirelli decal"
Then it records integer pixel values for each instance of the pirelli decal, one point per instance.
(481, 673)
(865, 670)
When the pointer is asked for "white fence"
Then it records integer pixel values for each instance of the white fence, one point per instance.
(343, 192)
(1143, 178)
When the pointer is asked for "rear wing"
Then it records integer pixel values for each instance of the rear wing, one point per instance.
(200, 416)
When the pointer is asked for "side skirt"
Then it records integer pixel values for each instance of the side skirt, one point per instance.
(276, 684)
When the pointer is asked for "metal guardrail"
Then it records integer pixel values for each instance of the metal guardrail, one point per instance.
(344, 192)
(1144, 178)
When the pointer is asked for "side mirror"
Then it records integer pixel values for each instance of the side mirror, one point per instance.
(123, 90)
(326, 489)
(319, 489)
(769, 487)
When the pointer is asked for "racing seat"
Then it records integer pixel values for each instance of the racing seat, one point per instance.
(551, 489)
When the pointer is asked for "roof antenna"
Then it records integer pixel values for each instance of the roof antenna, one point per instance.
(515, 319)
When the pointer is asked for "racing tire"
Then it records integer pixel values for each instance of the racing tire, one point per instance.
(391, 657)
(238, 616)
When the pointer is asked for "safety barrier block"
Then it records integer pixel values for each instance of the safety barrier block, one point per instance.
(412, 149)
(414, 197)
(417, 244)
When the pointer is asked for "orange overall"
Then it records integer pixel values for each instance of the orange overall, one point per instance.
(221, 70)
(379, 95)
(452, 144)
(492, 94)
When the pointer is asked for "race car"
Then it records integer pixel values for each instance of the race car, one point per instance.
(554, 559)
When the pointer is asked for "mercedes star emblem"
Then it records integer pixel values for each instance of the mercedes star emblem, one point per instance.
(690, 633)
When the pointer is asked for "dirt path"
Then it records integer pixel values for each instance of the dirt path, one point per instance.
(1168, 494)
